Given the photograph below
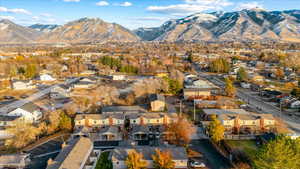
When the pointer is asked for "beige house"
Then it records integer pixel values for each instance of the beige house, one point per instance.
(196, 92)
(157, 103)
(100, 120)
(247, 123)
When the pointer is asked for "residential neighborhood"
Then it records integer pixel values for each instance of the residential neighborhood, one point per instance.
(216, 88)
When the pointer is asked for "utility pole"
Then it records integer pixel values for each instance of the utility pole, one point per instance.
(180, 107)
(194, 111)
(280, 105)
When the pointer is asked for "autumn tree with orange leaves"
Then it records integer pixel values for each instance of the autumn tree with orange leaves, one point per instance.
(181, 131)
(163, 160)
(135, 160)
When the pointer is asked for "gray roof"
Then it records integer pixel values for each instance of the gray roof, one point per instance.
(73, 154)
(121, 153)
(140, 129)
(109, 129)
(30, 107)
(8, 118)
(123, 109)
(155, 97)
(13, 160)
(224, 111)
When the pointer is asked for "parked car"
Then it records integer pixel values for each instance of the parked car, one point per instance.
(196, 164)
(8, 97)
(24, 96)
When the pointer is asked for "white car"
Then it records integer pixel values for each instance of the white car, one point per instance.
(196, 164)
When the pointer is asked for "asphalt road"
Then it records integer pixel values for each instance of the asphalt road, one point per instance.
(265, 107)
(214, 158)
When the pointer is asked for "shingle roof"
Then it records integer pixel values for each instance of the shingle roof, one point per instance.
(109, 129)
(13, 159)
(71, 156)
(8, 118)
(122, 109)
(224, 111)
(30, 107)
(155, 97)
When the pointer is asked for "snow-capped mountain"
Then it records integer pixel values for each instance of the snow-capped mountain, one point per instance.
(43, 28)
(254, 24)
(89, 30)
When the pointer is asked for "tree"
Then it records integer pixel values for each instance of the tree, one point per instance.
(30, 71)
(220, 65)
(216, 130)
(242, 75)
(181, 131)
(280, 153)
(65, 122)
(174, 85)
(104, 162)
(279, 73)
(296, 92)
(163, 160)
(23, 132)
(53, 122)
(135, 160)
(229, 88)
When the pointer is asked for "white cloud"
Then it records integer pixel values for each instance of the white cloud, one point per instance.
(7, 17)
(46, 15)
(126, 4)
(249, 5)
(102, 3)
(191, 6)
(15, 10)
(71, 0)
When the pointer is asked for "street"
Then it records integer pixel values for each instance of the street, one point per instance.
(263, 106)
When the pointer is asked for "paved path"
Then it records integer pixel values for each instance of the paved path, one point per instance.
(214, 158)
(35, 96)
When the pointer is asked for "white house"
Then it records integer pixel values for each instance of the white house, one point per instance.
(46, 77)
(119, 77)
(29, 112)
(295, 104)
(22, 85)
(60, 92)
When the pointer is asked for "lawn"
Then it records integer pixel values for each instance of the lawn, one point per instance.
(249, 147)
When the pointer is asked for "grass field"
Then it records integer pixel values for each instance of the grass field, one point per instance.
(249, 147)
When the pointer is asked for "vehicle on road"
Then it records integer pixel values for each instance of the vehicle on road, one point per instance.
(197, 164)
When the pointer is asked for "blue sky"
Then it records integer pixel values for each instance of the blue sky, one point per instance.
(129, 13)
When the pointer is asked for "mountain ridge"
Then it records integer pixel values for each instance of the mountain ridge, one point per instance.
(247, 24)
(255, 24)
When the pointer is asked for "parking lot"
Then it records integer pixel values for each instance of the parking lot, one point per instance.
(42, 153)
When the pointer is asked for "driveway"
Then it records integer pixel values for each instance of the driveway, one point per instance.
(214, 158)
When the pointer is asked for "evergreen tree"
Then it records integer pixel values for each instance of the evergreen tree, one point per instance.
(242, 75)
(281, 153)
